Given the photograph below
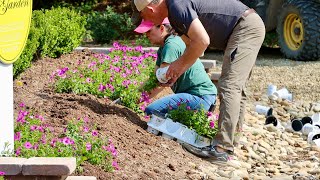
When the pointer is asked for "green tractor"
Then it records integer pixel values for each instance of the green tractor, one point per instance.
(297, 23)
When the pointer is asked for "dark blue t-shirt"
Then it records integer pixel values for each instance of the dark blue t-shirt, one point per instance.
(218, 17)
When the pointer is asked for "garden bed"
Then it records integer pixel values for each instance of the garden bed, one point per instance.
(140, 154)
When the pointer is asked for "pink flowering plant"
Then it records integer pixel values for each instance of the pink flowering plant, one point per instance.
(34, 137)
(119, 74)
(2, 175)
(203, 122)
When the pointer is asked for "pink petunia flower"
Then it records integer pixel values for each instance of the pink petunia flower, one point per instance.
(17, 136)
(88, 146)
(2, 173)
(94, 133)
(212, 124)
(28, 145)
(66, 141)
(102, 88)
(88, 80)
(85, 129)
(53, 142)
(115, 165)
(18, 151)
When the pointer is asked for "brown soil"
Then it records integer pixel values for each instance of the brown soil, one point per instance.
(141, 154)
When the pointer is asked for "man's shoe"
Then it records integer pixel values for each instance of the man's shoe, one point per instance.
(218, 156)
(209, 153)
(200, 152)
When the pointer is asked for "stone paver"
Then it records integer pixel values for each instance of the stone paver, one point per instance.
(49, 166)
(21, 177)
(11, 165)
(215, 76)
(81, 178)
(208, 64)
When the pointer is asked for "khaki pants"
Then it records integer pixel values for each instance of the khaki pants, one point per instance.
(239, 58)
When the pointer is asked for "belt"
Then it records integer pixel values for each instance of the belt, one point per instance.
(247, 12)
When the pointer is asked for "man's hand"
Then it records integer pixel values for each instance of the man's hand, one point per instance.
(176, 69)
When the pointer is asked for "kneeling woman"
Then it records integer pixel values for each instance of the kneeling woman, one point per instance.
(193, 87)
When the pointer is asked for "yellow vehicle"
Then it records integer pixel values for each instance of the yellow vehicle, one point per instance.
(297, 23)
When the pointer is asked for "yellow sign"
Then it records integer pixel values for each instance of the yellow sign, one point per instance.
(15, 19)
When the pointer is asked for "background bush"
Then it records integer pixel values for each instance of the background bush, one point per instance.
(30, 50)
(109, 25)
(52, 33)
(62, 30)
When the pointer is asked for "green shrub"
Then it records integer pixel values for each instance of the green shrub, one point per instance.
(31, 47)
(62, 30)
(108, 26)
(52, 33)
(45, 4)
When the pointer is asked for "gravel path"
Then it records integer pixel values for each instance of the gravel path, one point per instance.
(300, 78)
(277, 152)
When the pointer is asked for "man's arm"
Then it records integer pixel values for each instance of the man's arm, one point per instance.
(198, 43)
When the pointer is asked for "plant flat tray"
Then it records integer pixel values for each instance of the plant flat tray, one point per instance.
(176, 130)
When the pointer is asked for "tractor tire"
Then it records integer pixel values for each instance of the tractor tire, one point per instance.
(299, 30)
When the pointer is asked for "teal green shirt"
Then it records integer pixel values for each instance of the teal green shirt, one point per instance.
(195, 80)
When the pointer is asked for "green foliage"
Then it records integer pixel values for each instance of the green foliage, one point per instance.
(30, 50)
(138, 40)
(203, 122)
(108, 26)
(271, 40)
(151, 83)
(52, 33)
(34, 138)
(44, 4)
(62, 30)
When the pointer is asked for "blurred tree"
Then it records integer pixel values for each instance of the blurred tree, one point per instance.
(119, 6)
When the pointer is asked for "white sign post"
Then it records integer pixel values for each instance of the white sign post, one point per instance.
(15, 19)
(6, 107)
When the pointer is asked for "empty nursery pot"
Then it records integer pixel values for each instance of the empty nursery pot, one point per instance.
(306, 120)
(313, 136)
(271, 120)
(308, 128)
(267, 111)
(296, 124)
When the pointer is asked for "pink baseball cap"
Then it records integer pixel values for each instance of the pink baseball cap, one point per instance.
(145, 26)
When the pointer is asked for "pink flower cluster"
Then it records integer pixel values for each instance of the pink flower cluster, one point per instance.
(31, 137)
